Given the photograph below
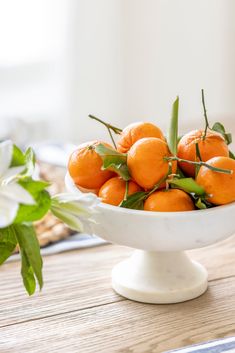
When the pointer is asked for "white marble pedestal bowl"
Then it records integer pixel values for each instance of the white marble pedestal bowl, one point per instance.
(160, 271)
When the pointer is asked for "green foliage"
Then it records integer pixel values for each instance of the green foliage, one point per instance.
(18, 157)
(31, 265)
(188, 185)
(8, 243)
(113, 160)
(218, 127)
(135, 201)
(30, 213)
(172, 137)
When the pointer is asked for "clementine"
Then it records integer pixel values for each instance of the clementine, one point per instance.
(172, 200)
(113, 190)
(212, 146)
(145, 161)
(135, 132)
(219, 186)
(85, 166)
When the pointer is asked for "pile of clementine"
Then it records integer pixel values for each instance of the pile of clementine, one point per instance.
(150, 168)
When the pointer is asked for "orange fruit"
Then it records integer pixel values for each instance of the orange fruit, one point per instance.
(214, 145)
(220, 186)
(85, 166)
(135, 132)
(113, 191)
(145, 161)
(172, 200)
(94, 191)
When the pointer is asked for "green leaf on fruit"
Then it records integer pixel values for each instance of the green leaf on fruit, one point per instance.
(188, 185)
(113, 160)
(135, 201)
(172, 137)
(231, 155)
(218, 127)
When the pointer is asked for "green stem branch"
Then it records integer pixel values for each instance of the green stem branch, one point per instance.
(205, 115)
(215, 169)
(115, 129)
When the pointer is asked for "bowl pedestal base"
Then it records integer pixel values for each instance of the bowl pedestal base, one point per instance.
(159, 277)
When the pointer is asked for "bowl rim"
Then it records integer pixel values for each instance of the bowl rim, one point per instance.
(72, 186)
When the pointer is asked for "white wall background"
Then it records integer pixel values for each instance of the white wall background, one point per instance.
(124, 60)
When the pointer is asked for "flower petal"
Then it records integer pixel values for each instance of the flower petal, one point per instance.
(69, 219)
(17, 193)
(88, 199)
(6, 149)
(8, 211)
(11, 173)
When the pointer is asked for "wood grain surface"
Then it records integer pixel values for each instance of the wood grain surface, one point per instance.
(77, 311)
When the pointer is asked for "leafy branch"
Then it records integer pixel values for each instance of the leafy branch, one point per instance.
(109, 127)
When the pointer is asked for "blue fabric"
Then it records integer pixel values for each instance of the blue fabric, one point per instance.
(218, 346)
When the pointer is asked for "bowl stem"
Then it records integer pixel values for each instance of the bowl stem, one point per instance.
(159, 277)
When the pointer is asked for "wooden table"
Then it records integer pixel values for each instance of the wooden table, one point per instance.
(77, 311)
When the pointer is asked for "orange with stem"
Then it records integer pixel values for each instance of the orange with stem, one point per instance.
(135, 132)
(85, 166)
(210, 145)
(115, 189)
(172, 200)
(220, 187)
(146, 161)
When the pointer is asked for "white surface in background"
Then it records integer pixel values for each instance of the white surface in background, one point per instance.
(124, 60)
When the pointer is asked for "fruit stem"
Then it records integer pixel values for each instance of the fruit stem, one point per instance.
(110, 128)
(115, 129)
(126, 190)
(215, 169)
(205, 115)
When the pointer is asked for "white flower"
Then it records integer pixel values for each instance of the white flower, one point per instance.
(11, 193)
(75, 210)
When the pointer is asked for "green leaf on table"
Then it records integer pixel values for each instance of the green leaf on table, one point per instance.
(8, 243)
(113, 160)
(27, 273)
(218, 127)
(172, 137)
(31, 261)
(188, 185)
(135, 201)
(30, 213)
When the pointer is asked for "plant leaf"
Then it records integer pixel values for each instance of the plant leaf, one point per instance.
(29, 161)
(30, 213)
(18, 157)
(28, 243)
(189, 185)
(27, 274)
(27, 213)
(135, 201)
(7, 243)
(172, 137)
(200, 204)
(231, 155)
(218, 127)
(113, 160)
